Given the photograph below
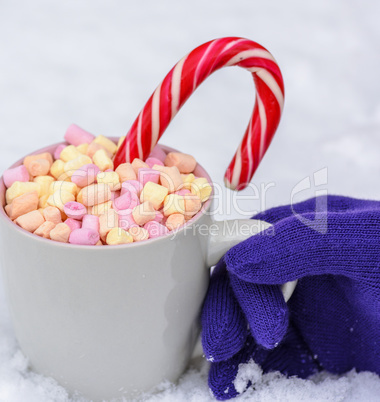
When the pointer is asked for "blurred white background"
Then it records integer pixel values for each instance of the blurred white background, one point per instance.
(95, 63)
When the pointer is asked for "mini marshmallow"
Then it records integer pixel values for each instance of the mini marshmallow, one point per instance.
(85, 175)
(82, 148)
(77, 136)
(105, 142)
(45, 183)
(107, 221)
(174, 203)
(91, 222)
(138, 164)
(61, 232)
(19, 173)
(126, 220)
(110, 178)
(42, 201)
(146, 175)
(95, 194)
(175, 221)
(73, 224)
(202, 188)
(52, 214)
(154, 193)
(131, 185)
(68, 153)
(118, 236)
(30, 221)
(193, 205)
(138, 233)
(44, 155)
(187, 180)
(158, 153)
(159, 217)
(184, 162)
(58, 150)
(75, 210)
(19, 188)
(155, 229)
(45, 229)
(23, 204)
(100, 209)
(183, 191)
(170, 178)
(74, 164)
(126, 172)
(57, 169)
(39, 167)
(59, 199)
(63, 186)
(84, 236)
(92, 148)
(128, 200)
(102, 160)
(143, 213)
(153, 161)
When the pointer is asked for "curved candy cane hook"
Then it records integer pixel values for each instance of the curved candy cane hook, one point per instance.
(182, 81)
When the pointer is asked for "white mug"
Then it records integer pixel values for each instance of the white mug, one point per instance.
(113, 321)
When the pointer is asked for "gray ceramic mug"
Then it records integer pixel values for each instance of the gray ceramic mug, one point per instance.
(113, 321)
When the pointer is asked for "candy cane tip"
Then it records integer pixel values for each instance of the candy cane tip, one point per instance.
(228, 184)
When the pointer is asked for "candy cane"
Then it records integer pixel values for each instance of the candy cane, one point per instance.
(182, 81)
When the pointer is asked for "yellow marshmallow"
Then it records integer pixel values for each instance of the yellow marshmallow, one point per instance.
(173, 204)
(100, 209)
(74, 164)
(63, 185)
(42, 202)
(105, 142)
(82, 148)
(202, 188)
(118, 236)
(143, 213)
(154, 193)
(187, 180)
(19, 188)
(45, 182)
(68, 153)
(60, 198)
(101, 160)
(57, 168)
(110, 178)
(107, 221)
(121, 139)
(138, 233)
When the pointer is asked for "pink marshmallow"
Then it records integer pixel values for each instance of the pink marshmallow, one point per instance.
(131, 185)
(91, 222)
(126, 220)
(159, 217)
(76, 135)
(154, 161)
(145, 175)
(75, 210)
(84, 236)
(85, 175)
(19, 173)
(73, 223)
(158, 153)
(58, 150)
(155, 229)
(128, 200)
(183, 191)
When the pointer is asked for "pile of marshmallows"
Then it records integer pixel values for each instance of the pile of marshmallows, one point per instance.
(75, 196)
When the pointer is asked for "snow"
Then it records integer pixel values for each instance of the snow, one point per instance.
(95, 63)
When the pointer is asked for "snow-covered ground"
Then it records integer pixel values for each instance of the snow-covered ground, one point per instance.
(95, 63)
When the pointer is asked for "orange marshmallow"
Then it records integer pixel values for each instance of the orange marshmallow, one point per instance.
(184, 162)
(144, 213)
(23, 204)
(45, 229)
(52, 214)
(44, 155)
(118, 236)
(95, 194)
(173, 204)
(138, 233)
(138, 164)
(39, 167)
(193, 204)
(175, 221)
(126, 172)
(154, 193)
(30, 221)
(107, 221)
(61, 232)
(170, 177)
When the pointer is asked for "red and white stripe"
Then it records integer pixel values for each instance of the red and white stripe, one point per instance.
(184, 78)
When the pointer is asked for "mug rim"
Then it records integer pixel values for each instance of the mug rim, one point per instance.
(205, 207)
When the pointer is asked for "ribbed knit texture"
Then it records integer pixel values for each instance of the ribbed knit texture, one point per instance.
(332, 321)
